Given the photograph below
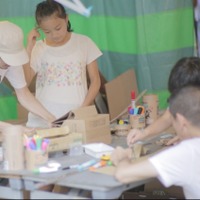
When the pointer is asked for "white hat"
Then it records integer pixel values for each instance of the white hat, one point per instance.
(12, 50)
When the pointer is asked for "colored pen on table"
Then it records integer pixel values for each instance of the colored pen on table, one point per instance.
(140, 110)
(86, 165)
(70, 167)
(102, 163)
(82, 166)
(32, 145)
(44, 145)
(38, 143)
(135, 112)
(133, 99)
(27, 145)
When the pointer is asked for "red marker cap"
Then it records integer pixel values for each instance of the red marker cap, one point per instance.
(132, 94)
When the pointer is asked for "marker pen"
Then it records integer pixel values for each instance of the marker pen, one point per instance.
(38, 143)
(140, 110)
(131, 111)
(133, 99)
(135, 111)
(86, 164)
(98, 165)
(44, 146)
(71, 167)
(32, 145)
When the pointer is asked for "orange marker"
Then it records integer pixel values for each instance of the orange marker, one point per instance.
(102, 163)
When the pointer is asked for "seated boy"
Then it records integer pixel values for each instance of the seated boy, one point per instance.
(186, 71)
(179, 164)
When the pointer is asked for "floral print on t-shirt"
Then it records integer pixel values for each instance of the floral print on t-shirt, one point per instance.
(59, 74)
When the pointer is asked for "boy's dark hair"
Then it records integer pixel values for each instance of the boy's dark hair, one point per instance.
(186, 101)
(185, 72)
(48, 8)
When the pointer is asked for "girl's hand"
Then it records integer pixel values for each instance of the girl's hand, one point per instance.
(31, 40)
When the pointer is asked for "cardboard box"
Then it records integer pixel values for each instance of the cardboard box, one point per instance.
(94, 127)
(118, 92)
(60, 143)
(59, 138)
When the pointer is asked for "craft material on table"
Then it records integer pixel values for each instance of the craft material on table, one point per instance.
(125, 110)
(81, 166)
(164, 139)
(133, 99)
(150, 102)
(98, 149)
(122, 129)
(48, 168)
(36, 153)
(136, 150)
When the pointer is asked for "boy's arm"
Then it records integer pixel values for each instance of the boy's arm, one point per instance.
(29, 73)
(32, 104)
(127, 172)
(160, 125)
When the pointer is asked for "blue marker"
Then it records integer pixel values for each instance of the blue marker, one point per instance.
(131, 111)
(32, 145)
(135, 111)
(86, 164)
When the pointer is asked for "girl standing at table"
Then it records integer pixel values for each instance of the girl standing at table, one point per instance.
(61, 62)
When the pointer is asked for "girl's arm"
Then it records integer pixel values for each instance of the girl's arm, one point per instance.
(94, 83)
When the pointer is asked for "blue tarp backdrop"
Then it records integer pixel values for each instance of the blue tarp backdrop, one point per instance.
(146, 35)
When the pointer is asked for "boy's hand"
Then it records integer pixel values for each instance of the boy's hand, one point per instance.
(173, 141)
(134, 136)
(120, 154)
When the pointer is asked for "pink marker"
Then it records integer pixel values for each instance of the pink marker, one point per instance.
(27, 145)
(44, 146)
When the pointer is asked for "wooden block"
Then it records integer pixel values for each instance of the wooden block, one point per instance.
(53, 132)
(137, 150)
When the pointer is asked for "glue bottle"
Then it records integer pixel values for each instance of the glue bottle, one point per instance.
(133, 99)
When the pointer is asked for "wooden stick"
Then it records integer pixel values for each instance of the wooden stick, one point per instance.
(140, 95)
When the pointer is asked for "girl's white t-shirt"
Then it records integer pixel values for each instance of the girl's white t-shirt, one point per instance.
(61, 83)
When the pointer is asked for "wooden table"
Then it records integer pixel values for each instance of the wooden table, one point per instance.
(100, 186)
